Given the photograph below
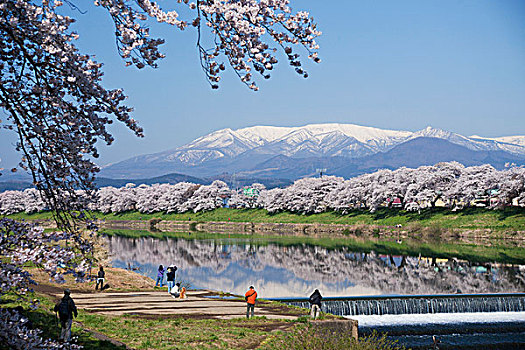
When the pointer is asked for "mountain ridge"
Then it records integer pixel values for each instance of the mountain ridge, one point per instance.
(239, 150)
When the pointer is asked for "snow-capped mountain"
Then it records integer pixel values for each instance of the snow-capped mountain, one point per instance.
(511, 144)
(517, 140)
(240, 150)
(310, 140)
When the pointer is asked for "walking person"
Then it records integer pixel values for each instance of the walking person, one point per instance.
(160, 276)
(315, 302)
(65, 309)
(100, 278)
(170, 276)
(250, 297)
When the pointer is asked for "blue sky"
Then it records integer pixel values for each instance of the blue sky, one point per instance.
(455, 65)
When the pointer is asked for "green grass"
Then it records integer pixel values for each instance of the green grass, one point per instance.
(511, 218)
(160, 333)
(177, 332)
(139, 333)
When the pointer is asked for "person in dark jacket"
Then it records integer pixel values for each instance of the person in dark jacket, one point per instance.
(315, 302)
(100, 278)
(66, 309)
(170, 276)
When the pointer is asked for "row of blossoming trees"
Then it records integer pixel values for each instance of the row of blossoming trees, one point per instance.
(450, 183)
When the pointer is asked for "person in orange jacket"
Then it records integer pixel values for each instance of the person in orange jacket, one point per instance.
(250, 297)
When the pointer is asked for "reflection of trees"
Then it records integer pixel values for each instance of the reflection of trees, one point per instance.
(395, 275)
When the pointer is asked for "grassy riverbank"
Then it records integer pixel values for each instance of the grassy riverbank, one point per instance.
(110, 332)
(102, 332)
(508, 219)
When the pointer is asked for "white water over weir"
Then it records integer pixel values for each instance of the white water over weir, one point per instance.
(416, 304)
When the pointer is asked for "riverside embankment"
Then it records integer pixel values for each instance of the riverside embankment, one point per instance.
(473, 223)
(314, 230)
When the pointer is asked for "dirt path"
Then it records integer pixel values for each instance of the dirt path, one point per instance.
(198, 304)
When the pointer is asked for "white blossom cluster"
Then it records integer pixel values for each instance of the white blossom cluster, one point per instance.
(240, 28)
(178, 198)
(238, 31)
(22, 243)
(451, 183)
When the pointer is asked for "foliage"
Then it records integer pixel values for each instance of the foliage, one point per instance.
(23, 243)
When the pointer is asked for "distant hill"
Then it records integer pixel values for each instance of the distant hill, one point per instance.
(427, 151)
(14, 185)
(412, 154)
(233, 180)
(168, 178)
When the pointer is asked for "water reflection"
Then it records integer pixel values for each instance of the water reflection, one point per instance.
(295, 271)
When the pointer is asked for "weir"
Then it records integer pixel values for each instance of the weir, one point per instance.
(416, 304)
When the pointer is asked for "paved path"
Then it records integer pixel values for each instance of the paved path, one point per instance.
(161, 303)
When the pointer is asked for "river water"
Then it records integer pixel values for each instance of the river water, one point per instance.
(294, 271)
(277, 271)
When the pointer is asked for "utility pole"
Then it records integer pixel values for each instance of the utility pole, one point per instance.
(320, 171)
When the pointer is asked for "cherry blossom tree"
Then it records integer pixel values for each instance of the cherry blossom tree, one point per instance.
(474, 182)
(246, 197)
(177, 195)
(33, 201)
(207, 197)
(309, 195)
(513, 186)
(272, 200)
(11, 202)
